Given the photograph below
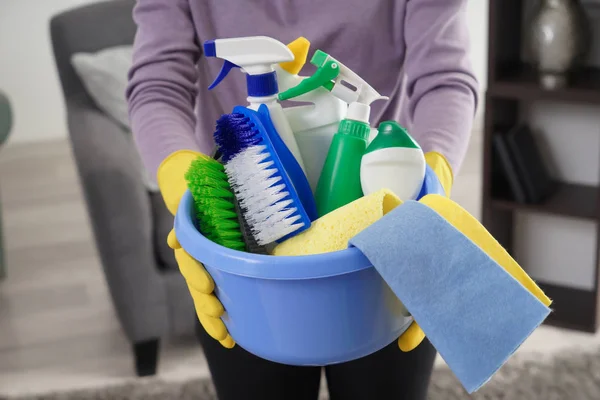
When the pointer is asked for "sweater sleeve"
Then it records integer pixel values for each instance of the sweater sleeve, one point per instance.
(441, 86)
(162, 87)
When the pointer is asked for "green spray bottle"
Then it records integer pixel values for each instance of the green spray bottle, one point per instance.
(339, 182)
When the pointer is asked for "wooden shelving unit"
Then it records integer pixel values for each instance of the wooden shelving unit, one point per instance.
(512, 83)
(519, 81)
(570, 200)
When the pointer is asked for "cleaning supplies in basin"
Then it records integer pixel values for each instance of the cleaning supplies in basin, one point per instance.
(393, 160)
(339, 182)
(373, 261)
(265, 193)
(256, 56)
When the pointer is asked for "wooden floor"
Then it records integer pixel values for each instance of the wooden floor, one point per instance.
(57, 326)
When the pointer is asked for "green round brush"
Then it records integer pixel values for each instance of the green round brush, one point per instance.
(214, 203)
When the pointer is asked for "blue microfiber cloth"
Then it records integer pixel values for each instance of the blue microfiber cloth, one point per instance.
(473, 312)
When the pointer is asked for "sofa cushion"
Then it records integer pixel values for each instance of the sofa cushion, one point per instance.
(104, 76)
(163, 223)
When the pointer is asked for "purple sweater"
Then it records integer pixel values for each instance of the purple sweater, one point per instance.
(414, 51)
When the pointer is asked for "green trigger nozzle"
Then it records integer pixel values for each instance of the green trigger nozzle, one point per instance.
(327, 70)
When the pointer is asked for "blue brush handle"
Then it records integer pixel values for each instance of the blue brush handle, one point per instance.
(290, 164)
(263, 138)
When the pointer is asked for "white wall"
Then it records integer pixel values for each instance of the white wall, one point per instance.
(478, 26)
(27, 72)
(28, 75)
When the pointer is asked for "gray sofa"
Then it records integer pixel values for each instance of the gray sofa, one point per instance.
(5, 126)
(130, 224)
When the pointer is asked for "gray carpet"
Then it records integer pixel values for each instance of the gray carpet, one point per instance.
(571, 375)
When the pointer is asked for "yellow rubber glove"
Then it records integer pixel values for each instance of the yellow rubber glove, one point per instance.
(172, 185)
(414, 335)
(442, 169)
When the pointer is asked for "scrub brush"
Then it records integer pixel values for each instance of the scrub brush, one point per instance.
(251, 245)
(265, 193)
(214, 203)
(249, 240)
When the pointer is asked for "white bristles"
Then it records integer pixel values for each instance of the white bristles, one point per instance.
(261, 191)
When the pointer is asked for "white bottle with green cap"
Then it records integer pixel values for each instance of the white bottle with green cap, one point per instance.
(393, 160)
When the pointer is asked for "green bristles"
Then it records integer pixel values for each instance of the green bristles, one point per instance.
(213, 200)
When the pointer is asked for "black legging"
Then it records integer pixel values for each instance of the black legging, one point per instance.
(387, 374)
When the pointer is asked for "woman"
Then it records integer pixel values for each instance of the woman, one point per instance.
(414, 51)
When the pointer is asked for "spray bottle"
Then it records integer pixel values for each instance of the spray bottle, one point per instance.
(339, 182)
(257, 56)
(315, 122)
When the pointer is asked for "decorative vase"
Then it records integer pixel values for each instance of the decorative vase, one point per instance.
(559, 40)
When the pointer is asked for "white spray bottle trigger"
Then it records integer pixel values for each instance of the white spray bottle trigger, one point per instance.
(255, 55)
(351, 88)
(227, 66)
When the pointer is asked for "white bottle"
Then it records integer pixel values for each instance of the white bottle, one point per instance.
(313, 124)
(258, 57)
(395, 161)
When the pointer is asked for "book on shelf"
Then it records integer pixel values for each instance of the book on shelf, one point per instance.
(529, 163)
(521, 164)
(505, 170)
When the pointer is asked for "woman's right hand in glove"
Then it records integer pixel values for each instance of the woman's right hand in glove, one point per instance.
(172, 184)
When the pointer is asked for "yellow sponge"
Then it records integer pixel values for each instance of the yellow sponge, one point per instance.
(332, 231)
(299, 48)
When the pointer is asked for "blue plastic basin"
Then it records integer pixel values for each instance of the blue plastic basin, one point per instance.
(308, 310)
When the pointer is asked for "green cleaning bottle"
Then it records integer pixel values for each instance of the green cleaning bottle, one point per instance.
(339, 183)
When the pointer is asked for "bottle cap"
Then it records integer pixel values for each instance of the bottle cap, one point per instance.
(392, 134)
(357, 129)
(262, 85)
(359, 112)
